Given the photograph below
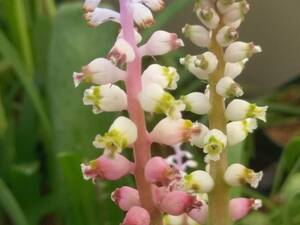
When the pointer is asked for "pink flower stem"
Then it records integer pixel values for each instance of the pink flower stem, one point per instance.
(142, 147)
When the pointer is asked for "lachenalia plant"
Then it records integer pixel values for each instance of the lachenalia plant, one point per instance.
(165, 192)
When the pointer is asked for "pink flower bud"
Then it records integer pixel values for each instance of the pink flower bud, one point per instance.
(100, 15)
(160, 43)
(199, 214)
(178, 202)
(157, 171)
(107, 168)
(240, 207)
(126, 197)
(136, 216)
(122, 52)
(159, 193)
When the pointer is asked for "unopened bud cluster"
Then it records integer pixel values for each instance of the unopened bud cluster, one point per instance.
(177, 194)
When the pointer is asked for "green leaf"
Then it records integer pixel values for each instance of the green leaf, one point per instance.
(11, 206)
(3, 121)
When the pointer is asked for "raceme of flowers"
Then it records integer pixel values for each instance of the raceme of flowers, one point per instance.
(178, 195)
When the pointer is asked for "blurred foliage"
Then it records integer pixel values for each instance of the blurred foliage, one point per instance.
(45, 132)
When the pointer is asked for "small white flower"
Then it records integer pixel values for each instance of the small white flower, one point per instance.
(237, 175)
(182, 130)
(142, 15)
(238, 51)
(91, 5)
(160, 43)
(198, 181)
(223, 5)
(240, 109)
(154, 99)
(196, 102)
(198, 35)
(236, 11)
(99, 71)
(121, 134)
(237, 131)
(166, 77)
(226, 87)
(257, 204)
(108, 98)
(226, 36)
(234, 69)
(202, 65)
(101, 15)
(137, 36)
(154, 5)
(121, 52)
(214, 143)
(209, 17)
(197, 139)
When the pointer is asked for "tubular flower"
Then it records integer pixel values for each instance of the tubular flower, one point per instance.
(126, 197)
(137, 216)
(120, 135)
(226, 87)
(237, 175)
(196, 102)
(226, 36)
(154, 99)
(240, 109)
(107, 168)
(121, 52)
(142, 15)
(234, 69)
(166, 77)
(108, 98)
(209, 17)
(235, 11)
(182, 131)
(198, 182)
(160, 43)
(197, 34)
(99, 71)
(240, 207)
(100, 16)
(214, 143)
(237, 131)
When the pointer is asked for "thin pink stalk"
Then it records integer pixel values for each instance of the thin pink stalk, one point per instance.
(142, 147)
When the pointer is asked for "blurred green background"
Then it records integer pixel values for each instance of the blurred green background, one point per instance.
(46, 132)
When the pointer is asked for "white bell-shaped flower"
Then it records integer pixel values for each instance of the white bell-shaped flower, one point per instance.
(90, 5)
(99, 71)
(202, 65)
(101, 15)
(197, 139)
(154, 5)
(236, 11)
(108, 98)
(142, 15)
(234, 69)
(154, 99)
(166, 77)
(214, 143)
(196, 102)
(160, 43)
(227, 88)
(182, 130)
(121, 134)
(226, 36)
(237, 131)
(137, 36)
(237, 175)
(223, 5)
(121, 52)
(198, 181)
(198, 35)
(239, 109)
(238, 51)
(209, 17)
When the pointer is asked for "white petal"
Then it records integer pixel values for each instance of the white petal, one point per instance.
(154, 5)
(196, 102)
(234, 69)
(142, 15)
(198, 35)
(226, 36)
(226, 87)
(90, 5)
(209, 17)
(122, 52)
(100, 15)
(238, 51)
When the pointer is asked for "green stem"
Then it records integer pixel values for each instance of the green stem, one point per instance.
(219, 197)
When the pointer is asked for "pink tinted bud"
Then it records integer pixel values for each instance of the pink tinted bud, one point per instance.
(240, 207)
(136, 216)
(157, 171)
(199, 214)
(126, 197)
(159, 193)
(122, 52)
(160, 43)
(177, 202)
(107, 168)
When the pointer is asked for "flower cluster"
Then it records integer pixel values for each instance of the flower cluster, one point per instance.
(179, 195)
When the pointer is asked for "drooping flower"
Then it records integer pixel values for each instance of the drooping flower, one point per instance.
(136, 216)
(90, 5)
(121, 52)
(214, 143)
(200, 214)
(198, 35)
(197, 139)
(240, 207)
(154, 5)
(226, 36)
(142, 15)
(209, 17)
(100, 16)
(239, 109)
(234, 69)
(126, 197)
(235, 12)
(108, 98)
(178, 220)
(227, 87)
(120, 135)
(198, 181)
(237, 175)
(196, 102)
